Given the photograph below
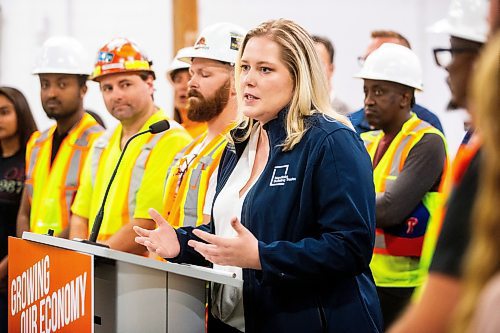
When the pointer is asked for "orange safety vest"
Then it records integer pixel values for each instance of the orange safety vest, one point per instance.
(195, 129)
(187, 181)
(51, 187)
(464, 156)
(404, 239)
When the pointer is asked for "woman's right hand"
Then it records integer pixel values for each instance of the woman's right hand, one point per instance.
(162, 240)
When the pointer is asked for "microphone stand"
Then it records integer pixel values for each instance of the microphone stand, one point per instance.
(157, 127)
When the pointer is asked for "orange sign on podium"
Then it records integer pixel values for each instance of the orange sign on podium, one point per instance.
(50, 289)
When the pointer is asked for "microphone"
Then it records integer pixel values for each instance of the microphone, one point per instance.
(155, 128)
(159, 126)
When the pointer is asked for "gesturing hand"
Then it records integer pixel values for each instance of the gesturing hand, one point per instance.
(240, 251)
(162, 240)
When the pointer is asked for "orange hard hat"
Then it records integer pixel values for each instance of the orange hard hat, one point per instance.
(118, 56)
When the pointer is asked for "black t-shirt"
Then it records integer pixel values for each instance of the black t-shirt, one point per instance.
(11, 188)
(457, 225)
(57, 139)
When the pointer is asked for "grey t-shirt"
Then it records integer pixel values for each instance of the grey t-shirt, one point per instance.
(421, 173)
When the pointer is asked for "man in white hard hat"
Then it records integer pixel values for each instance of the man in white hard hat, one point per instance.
(54, 156)
(379, 37)
(468, 29)
(178, 75)
(409, 158)
(125, 76)
(326, 52)
(190, 185)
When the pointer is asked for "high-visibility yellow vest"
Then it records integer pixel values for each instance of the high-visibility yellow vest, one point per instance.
(139, 181)
(51, 188)
(187, 181)
(395, 261)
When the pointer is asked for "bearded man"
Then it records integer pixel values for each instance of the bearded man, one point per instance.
(190, 185)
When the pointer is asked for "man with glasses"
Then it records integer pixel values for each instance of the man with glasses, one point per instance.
(458, 61)
(380, 37)
(467, 26)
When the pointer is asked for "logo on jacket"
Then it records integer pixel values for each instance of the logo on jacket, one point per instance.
(280, 176)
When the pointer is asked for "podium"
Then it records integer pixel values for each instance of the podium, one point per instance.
(129, 293)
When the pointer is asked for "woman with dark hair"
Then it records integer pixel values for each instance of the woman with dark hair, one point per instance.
(16, 126)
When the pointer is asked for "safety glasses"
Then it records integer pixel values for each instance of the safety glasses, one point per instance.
(443, 56)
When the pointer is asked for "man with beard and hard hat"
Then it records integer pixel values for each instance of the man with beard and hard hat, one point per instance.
(467, 27)
(178, 75)
(409, 159)
(54, 157)
(125, 76)
(190, 185)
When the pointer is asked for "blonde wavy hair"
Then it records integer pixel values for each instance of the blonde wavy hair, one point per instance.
(483, 258)
(310, 91)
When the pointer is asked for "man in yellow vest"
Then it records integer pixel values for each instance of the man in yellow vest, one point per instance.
(178, 75)
(55, 156)
(409, 159)
(190, 185)
(126, 78)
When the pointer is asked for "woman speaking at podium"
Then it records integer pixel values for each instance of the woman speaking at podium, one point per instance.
(293, 214)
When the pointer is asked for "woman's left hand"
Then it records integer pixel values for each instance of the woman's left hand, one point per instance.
(240, 251)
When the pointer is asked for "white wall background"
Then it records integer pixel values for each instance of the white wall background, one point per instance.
(25, 24)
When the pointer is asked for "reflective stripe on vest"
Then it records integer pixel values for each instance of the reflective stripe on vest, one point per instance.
(404, 239)
(191, 204)
(184, 201)
(52, 185)
(182, 152)
(32, 161)
(138, 172)
(99, 146)
(76, 163)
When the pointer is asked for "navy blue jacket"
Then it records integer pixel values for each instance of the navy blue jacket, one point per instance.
(313, 212)
(361, 124)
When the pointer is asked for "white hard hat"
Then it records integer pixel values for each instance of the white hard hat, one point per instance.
(395, 63)
(220, 41)
(63, 55)
(177, 64)
(466, 19)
